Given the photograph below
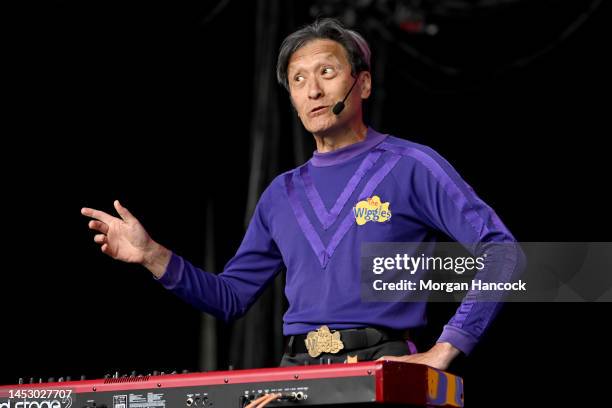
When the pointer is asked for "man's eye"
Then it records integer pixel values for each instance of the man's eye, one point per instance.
(327, 70)
(298, 78)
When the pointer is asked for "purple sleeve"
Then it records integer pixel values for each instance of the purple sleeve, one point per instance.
(451, 206)
(229, 295)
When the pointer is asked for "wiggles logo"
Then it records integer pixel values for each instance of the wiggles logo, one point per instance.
(371, 209)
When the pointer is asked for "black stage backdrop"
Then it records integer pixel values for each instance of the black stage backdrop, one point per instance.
(172, 108)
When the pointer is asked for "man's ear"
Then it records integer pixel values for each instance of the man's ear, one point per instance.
(366, 84)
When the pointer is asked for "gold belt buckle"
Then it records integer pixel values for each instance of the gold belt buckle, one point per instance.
(323, 341)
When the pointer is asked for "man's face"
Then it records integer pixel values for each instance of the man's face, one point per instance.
(319, 75)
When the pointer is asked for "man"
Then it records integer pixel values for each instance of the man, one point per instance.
(305, 221)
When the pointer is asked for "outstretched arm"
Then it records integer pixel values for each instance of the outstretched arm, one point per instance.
(227, 295)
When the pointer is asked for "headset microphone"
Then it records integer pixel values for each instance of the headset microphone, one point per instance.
(339, 106)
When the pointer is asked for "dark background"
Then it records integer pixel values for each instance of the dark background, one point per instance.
(152, 103)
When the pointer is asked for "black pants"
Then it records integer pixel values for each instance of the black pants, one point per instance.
(388, 348)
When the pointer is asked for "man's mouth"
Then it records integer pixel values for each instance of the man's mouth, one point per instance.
(318, 109)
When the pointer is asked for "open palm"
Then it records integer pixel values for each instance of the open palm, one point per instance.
(122, 238)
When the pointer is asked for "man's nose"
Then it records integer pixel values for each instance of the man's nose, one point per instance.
(314, 89)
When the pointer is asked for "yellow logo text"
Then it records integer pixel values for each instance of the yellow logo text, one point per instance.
(371, 209)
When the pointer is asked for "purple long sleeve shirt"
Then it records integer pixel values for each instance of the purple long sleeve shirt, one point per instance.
(305, 221)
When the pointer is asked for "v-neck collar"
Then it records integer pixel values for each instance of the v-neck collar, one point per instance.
(323, 251)
(327, 218)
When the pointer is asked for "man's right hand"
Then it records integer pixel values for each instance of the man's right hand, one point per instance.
(126, 239)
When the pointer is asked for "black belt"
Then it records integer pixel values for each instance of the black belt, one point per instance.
(351, 338)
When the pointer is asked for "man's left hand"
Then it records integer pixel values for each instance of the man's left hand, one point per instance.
(439, 356)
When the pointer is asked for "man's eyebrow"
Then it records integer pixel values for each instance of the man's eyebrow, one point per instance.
(296, 67)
